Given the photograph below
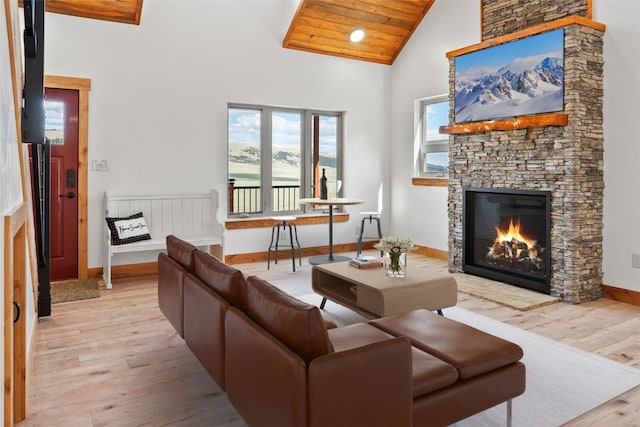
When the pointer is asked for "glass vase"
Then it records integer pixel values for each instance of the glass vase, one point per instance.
(395, 264)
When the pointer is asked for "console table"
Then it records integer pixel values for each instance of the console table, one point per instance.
(372, 294)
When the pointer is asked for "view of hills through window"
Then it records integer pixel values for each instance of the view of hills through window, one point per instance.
(285, 168)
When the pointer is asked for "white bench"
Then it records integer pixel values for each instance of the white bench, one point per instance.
(191, 217)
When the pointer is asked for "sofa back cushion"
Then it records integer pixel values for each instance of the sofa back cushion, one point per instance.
(296, 324)
(181, 252)
(204, 334)
(227, 281)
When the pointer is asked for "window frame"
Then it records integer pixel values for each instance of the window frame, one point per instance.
(421, 145)
(306, 156)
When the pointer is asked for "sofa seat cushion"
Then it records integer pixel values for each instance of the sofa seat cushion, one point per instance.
(329, 324)
(227, 281)
(356, 335)
(470, 350)
(429, 372)
(298, 325)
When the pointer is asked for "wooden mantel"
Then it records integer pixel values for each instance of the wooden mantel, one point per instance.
(521, 122)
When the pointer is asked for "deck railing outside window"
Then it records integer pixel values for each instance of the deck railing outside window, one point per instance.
(246, 199)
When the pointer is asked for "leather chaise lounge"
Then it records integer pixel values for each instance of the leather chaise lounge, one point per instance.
(282, 364)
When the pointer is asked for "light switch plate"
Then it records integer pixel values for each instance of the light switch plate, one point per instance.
(99, 165)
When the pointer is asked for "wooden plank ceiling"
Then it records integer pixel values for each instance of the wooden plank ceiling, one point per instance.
(125, 11)
(323, 26)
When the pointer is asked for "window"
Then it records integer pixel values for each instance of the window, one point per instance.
(433, 151)
(276, 156)
(54, 122)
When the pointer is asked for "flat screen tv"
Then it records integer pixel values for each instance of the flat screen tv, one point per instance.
(518, 78)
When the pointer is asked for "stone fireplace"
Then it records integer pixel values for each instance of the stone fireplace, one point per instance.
(564, 161)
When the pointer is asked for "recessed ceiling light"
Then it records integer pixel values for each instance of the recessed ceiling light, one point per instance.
(356, 35)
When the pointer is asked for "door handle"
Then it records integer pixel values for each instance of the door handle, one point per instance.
(17, 311)
(69, 195)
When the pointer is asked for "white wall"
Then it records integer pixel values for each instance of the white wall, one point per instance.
(422, 70)
(621, 140)
(160, 90)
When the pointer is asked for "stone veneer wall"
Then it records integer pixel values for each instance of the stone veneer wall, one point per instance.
(500, 17)
(565, 160)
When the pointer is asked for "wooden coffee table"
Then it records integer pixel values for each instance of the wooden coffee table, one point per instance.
(372, 294)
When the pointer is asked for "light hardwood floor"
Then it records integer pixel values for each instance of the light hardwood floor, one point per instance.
(116, 361)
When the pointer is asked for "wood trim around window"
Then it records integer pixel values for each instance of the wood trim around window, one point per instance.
(430, 182)
(241, 224)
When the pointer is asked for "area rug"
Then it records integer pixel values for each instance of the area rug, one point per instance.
(74, 290)
(563, 382)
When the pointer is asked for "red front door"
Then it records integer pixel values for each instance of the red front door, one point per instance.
(61, 127)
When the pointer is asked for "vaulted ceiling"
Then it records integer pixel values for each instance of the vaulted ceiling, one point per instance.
(318, 26)
(323, 26)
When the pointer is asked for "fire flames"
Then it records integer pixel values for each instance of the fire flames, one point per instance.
(513, 246)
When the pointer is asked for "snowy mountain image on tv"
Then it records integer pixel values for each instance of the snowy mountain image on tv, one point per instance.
(518, 78)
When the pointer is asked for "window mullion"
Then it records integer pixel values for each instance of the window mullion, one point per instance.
(266, 163)
(305, 138)
(306, 189)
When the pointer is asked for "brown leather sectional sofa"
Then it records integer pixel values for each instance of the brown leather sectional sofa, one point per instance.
(282, 364)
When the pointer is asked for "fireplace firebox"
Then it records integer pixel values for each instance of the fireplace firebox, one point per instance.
(506, 236)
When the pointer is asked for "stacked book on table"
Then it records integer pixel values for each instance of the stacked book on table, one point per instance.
(365, 261)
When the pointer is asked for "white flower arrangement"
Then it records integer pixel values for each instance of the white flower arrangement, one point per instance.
(395, 263)
(395, 245)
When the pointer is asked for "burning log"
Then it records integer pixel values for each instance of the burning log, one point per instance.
(511, 248)
(519, 244)
(496, 251)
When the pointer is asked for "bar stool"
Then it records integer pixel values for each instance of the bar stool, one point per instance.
(284, 222)
(371, 216)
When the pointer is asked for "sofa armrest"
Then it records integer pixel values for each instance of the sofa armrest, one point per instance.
(365, 386)
(170, 291)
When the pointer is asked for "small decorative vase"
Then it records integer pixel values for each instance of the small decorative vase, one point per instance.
(395, 264)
